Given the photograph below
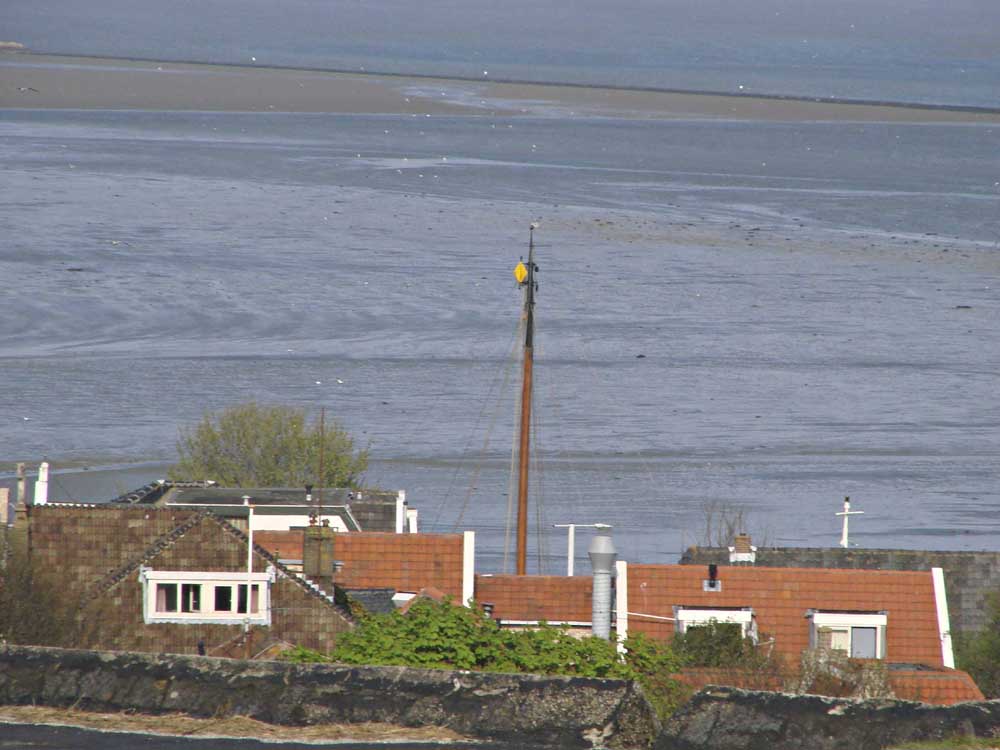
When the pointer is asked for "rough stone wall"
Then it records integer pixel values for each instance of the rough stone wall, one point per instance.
(731, 719)
(970, 577)
(523, 710)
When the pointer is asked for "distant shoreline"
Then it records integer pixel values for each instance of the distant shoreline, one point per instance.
(559, 84)
(31, 80)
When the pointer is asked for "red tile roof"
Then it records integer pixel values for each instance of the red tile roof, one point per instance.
(937, 686)
(404, 562)
(285, 545)
(700, 677)
(532, 598)
(780, 598)
(943, 687)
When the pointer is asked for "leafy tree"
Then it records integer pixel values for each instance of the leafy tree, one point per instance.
(979, 654)
(251, 445)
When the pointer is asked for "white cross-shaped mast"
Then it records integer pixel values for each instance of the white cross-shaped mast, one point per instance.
(846, 513)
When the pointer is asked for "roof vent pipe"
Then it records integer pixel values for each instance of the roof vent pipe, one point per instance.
(602, 559)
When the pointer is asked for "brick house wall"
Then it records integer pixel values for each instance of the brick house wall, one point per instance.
(97, 552)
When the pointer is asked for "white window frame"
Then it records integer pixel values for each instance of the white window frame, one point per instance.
(151, 578)
(687, 616)
(848, 620)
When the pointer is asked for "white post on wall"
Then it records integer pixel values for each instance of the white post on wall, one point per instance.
(944, 621)
(571, 539)
(401, 512)
(246, 502)
(570, 544)
(846, 513)
(468, 567)
(42, 484)
(621, 604)
(246, 621)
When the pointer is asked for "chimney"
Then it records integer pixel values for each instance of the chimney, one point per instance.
(602, 556)
(19, 535)
(742, 550)
(317, 555)
(4, 507)
(19, 500)
(712, 583)
(42, 485)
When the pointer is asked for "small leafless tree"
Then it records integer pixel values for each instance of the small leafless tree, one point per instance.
(724, 520)
(34, 608)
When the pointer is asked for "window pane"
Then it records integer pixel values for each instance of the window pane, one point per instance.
(255, 598)
(166, 597)
(241, 600)
(834, 639)
(190, 597)
(223, 598)
(863, 643)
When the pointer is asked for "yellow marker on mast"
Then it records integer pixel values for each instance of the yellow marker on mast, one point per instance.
(520, 272)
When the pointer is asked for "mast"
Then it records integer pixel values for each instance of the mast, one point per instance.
(322, 461)
(525, 276)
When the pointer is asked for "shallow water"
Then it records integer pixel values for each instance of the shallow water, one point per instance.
(814, 304)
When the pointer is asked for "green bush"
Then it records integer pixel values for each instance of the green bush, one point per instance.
(714, 644)
(979, 654)
(439, 635)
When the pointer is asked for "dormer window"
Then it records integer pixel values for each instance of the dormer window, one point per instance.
(690, 617)
(202, 597)
(860, 635)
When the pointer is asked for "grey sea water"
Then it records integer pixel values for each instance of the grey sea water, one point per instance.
(765, 315)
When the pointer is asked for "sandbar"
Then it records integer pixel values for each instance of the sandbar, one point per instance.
(36, 81)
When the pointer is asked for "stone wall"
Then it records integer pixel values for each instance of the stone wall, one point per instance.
(731, 719)
(970, 577)
(525, 710)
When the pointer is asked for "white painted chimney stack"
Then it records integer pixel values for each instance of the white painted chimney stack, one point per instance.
(42, 484)
(602, 555)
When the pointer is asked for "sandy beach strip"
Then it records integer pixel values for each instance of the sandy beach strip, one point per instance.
(182, 725)
(35, 81)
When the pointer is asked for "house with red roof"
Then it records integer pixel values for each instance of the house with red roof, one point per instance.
(898, 618)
